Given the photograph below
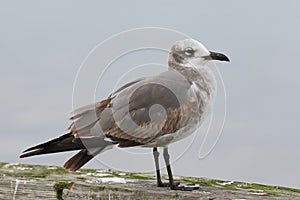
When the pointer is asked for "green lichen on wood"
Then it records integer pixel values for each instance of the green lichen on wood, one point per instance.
(259, 189)
(59, 188)
(137, 176)
(81, 178)
(58, 170)
(288, 189)
(2, 164)
(85, 171)
(30, 171)
(31, 174)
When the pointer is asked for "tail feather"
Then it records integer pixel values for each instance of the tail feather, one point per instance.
(56, 140)
(85, 155)
(89, 147)
(77, 161)
(60, 144)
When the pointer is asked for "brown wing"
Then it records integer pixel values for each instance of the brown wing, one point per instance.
(147, 131)
(141, 112)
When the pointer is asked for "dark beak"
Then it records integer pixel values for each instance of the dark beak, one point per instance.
(216, 56)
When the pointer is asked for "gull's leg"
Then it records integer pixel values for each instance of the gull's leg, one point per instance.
(167, 161)
(174, 186)
(158, 177)
(156, 155)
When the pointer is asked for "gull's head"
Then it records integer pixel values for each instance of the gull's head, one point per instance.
(191, 52)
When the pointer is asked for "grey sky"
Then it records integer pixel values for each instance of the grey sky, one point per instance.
(43, 43)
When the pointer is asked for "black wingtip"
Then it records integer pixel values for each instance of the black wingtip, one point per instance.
(31, 153)
(39, 146)
(22, 156)
(29, 149)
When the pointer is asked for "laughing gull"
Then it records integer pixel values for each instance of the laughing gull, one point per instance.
(149, 112)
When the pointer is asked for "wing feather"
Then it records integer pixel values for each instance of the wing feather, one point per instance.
(127, 116)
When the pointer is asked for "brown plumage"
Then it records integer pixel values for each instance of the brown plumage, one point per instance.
(141, 96)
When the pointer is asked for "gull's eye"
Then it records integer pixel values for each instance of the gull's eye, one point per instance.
(189, 51)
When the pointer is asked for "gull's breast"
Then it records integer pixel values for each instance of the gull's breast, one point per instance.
(192, 116)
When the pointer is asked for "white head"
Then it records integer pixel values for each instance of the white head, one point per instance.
(191, 52)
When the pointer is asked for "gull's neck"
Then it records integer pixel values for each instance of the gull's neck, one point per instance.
(202, 78)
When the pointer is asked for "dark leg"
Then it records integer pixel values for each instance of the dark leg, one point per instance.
(159, 181)
(174, 186)
(156, 155)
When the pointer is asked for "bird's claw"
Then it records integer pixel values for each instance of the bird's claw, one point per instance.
(167, 184)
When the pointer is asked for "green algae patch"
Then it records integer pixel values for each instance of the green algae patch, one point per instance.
(288, 189)
(137, 176)
(30, 171)
(60, 186)
(85, 171)
(2, 164)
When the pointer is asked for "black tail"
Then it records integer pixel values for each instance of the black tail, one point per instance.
(60, 144)
(68, 142)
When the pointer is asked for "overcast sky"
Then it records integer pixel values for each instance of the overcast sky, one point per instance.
(42, 45)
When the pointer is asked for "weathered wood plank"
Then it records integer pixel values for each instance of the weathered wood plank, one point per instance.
(27, 190)
(18, 181)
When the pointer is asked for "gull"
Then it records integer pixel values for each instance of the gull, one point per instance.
(149, 112)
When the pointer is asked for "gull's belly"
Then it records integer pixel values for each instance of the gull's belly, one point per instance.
(173, 137)
(176, 136)
(194, 123)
